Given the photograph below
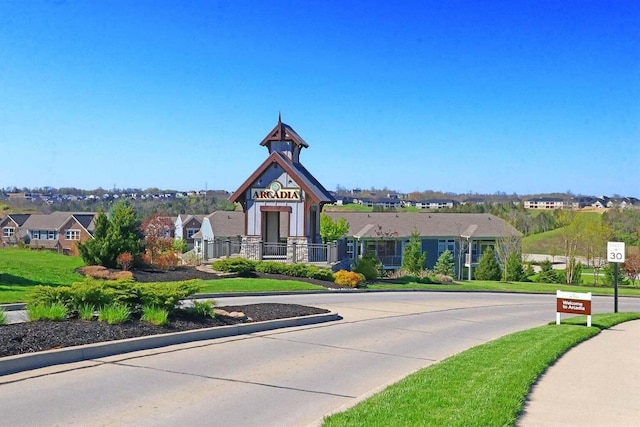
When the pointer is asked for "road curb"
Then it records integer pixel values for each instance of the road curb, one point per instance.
(25, 362)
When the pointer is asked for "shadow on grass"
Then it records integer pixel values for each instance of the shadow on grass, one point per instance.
(11, 280)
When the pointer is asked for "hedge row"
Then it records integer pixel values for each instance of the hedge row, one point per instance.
(244, 267)
(99, 293)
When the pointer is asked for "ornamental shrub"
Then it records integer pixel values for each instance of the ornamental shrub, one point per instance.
(315, 272)
(296, 270)
(348, 278)
(47, 295)
(55, 312)
(155, 316)
(270, 267)
(242, 266)
(167, 296)
(368, 266)
(114, 314)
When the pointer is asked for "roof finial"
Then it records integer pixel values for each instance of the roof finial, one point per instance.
(279, 117)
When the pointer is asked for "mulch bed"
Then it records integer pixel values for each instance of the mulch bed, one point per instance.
(29, 337)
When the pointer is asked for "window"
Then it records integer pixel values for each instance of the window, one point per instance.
(72, 235)
(191, 232)
(350, 247)
(51, 235)
(35, 234)
(8, 231)
(446, 245)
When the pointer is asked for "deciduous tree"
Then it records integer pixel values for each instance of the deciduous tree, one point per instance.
(331, 230)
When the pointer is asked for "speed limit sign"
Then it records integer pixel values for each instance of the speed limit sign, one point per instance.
(615, 252)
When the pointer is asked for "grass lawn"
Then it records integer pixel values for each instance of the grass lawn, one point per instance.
(29, 267)
(484, 386)
(550, 242)
(256, 285)
(482, 285)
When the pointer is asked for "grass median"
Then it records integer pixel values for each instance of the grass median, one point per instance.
(486, 385)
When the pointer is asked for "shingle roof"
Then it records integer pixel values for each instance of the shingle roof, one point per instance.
(403, 224)
(55, 220)
(227, 223)
(298, 173)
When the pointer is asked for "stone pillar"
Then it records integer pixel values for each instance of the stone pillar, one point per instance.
(297, 250)
(251, 248)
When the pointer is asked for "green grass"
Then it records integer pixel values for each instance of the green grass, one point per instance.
(483, 285)
(21, 269)
(550, 242)
(484, 386)
(3, 317)
(255, 285)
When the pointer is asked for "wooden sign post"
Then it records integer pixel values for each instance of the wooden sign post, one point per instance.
(573, 303)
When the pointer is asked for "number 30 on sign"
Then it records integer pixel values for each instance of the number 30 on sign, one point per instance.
(615, 252)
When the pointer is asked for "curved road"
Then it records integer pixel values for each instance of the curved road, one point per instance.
(290, 377)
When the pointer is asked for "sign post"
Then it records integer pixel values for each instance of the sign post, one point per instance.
(573, 303)
(615, 255)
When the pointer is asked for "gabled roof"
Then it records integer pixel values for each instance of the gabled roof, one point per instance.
(298, 173)
(403, 224)
(227, 223)
(19, 219)
(283, 132)
(55, 220)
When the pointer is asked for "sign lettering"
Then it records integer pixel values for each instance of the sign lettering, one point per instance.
(276, 192)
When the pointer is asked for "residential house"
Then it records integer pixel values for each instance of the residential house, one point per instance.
(435, 204)
(12, 228)
(548, 203)
(59, 231)
(220, 234)
(186, 227)
(385, 234)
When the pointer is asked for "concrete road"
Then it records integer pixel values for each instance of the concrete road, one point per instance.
(289, 377)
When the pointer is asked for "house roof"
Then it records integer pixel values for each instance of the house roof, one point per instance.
(55, 220)
(403, 224)
(283, 132)
(299, 173)
(19, 219)
(227, 223)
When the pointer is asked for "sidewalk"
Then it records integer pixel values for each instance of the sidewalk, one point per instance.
(596, 383)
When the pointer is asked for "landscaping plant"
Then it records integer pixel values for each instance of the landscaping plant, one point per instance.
(114, 314)
(55, 312)
(348, 278)
(155, 315)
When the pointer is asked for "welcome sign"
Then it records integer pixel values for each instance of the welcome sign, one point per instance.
(573, 303)
(275, 192)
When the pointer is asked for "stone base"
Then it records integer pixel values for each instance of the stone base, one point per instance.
(251, 248)
(297, 250)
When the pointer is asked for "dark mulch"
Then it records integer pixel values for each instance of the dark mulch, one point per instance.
(30, 337)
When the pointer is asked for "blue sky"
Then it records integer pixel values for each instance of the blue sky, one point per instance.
(457, 96)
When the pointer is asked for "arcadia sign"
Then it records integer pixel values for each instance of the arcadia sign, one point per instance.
(275, 192)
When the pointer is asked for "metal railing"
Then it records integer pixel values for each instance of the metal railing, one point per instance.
(276, 251)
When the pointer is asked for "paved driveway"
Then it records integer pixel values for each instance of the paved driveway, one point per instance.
(289, 377)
